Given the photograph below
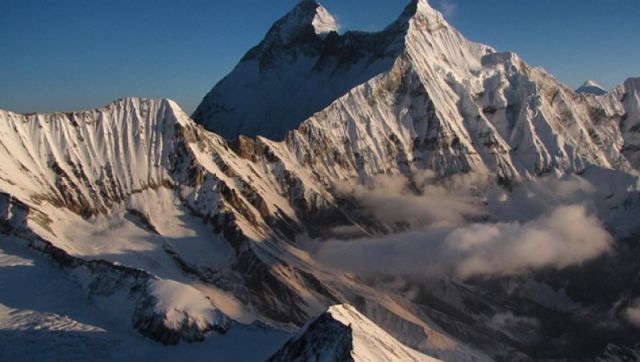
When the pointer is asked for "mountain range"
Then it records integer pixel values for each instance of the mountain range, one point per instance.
(405, 194)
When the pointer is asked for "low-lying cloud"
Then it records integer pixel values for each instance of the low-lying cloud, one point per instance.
(517, 327)
(633, 313)
(465, 226)
(567, 236)
(423, 200)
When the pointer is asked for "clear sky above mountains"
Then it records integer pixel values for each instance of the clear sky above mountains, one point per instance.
(79, 54)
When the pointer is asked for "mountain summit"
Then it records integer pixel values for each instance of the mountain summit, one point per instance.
(299, 68)
(302, 65)
(423, 9)
(308, 17)
(591, 87)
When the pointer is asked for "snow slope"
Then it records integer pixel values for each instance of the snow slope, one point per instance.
(45, 315)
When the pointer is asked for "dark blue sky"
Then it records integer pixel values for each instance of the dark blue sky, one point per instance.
(79, 54)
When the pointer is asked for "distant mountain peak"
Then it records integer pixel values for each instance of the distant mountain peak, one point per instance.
(591, 87)
(420, 9)
(307, 16)
(423, 7)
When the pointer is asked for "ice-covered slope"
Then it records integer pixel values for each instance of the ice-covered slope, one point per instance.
(343, 334)
(123, 295)
(591, 87)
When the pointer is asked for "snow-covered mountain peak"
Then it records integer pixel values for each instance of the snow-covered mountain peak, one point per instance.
(306, 18)
(295, 64)
(422, 13)
(323, 22)
(208, 234)
(423, 8)
(591, 87)
(344, 334)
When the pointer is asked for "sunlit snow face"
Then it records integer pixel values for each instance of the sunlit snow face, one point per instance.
(324, 23)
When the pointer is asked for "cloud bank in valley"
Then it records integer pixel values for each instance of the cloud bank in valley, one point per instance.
(565, 237)
(453, 232)
(420, 201)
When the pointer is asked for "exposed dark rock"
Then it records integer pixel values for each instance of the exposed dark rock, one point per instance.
(325, 339)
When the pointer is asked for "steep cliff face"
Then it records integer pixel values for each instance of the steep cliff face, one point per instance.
(87, 162)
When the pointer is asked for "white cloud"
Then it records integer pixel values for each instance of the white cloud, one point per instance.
(503, 321)
(633, 313)
(567, 236)
(517, 327)
(447, 7)
(422, 200)
(465, 226)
